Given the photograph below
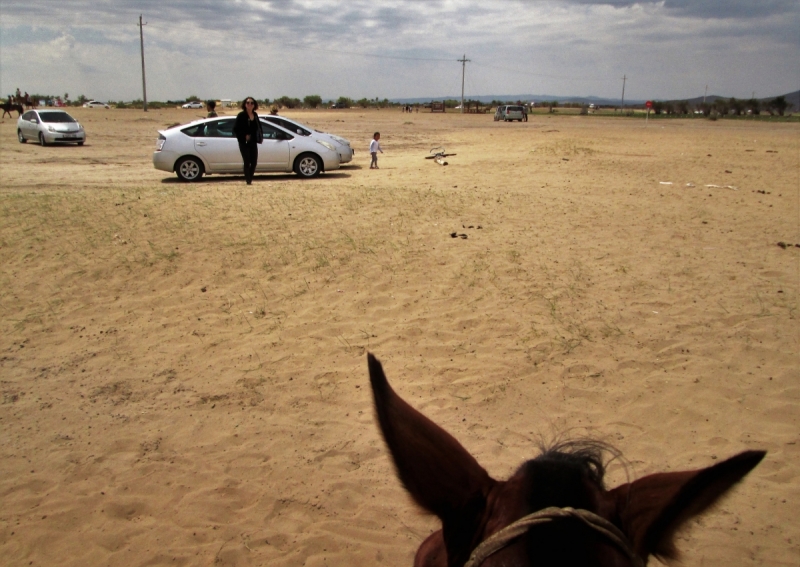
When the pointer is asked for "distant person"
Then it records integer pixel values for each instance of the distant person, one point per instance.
(374, 148)
(249, 134)
(211, 107)
(525, 112)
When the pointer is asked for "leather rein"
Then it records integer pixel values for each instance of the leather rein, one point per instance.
(501, 539)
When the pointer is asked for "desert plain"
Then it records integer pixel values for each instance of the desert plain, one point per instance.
(183, 366)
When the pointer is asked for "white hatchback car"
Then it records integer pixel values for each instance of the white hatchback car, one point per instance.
(48, 127)
(193, 104)
(342, 146)
(509, 113)
(209, 146)
(95, 104)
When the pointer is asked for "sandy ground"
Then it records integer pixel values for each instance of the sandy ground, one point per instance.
(183, 366)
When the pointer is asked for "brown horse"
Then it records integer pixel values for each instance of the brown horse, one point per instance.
(555, 510)
(8, 107)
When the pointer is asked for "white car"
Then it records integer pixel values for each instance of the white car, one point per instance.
(209, 146)
(95, 104)
(193, 104)
(342, 146)
(509, 113)
(49, 127)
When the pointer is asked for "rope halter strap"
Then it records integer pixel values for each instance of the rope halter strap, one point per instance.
(502, 538)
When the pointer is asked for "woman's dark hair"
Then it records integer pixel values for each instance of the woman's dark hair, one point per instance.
(255, 102)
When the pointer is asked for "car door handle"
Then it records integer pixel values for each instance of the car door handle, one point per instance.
(201, 143)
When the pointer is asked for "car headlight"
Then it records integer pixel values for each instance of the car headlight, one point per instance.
(51, 129)
(339, 140)
(327, 145)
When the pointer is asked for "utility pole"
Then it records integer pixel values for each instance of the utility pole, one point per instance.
(463, 61)
(704, 95)
(141, 44)
(624, 78)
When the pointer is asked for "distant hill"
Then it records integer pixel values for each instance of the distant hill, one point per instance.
(792, 98)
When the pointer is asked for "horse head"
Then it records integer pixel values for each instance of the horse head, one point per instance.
(554, 510)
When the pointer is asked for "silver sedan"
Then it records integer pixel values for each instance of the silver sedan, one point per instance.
(209, 146)
(48, 127)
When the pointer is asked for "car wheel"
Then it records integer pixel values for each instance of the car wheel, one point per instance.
(42, 140)
(189, 169)
(307, 166)
(80, 143)
(20, 137)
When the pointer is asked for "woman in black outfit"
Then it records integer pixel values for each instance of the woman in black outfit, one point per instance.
(246, 129)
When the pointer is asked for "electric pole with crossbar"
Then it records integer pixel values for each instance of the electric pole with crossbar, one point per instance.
(463, 61)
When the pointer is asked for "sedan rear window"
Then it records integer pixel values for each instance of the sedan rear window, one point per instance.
(288, 125)
(55, 116)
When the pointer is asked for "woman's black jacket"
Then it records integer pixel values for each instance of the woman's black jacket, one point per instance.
(244, 126)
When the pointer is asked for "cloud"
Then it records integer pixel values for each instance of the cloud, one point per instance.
(357, 48)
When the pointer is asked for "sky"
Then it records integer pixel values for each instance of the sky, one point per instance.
(669, 49)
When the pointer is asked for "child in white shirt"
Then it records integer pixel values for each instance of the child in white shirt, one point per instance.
(374, 148)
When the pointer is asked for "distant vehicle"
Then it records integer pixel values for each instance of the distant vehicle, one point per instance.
(193, 104)
(508, 113)
(49, 127)
(209, 146)
(95, 104)
(339, 105)
(343, 147)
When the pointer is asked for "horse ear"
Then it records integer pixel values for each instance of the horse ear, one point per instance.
(653, 508)
(437, 471)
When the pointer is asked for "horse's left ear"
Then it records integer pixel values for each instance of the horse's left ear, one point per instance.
(435, 468)
(653, 508)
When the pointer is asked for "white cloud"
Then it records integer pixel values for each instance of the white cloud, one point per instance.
(358, 48)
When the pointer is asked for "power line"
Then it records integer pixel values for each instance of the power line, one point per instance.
(542, 75)
(370, 55)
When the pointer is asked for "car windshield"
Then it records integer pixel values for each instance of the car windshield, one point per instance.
(56, 116)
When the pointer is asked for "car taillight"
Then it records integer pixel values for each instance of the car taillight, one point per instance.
(160, 142)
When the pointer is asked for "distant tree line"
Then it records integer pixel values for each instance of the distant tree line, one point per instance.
(719, 107)
(725, 107)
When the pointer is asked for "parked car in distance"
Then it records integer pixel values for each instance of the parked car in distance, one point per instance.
(509, 112)
(49, 127)
(342, 146)
(209, 146)
(193, 104)
(95, 104)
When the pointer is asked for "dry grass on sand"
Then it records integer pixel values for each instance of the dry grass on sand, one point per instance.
(183, 366)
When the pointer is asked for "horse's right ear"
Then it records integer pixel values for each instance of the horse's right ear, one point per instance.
(653, 508)
(437, 471)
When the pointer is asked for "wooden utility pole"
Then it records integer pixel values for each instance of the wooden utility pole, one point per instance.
(141, 45)
(463, 61)
(624, 78)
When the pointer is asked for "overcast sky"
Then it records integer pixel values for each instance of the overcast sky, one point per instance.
(407, 48)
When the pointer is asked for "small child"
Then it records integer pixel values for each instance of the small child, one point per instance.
(374, 148)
